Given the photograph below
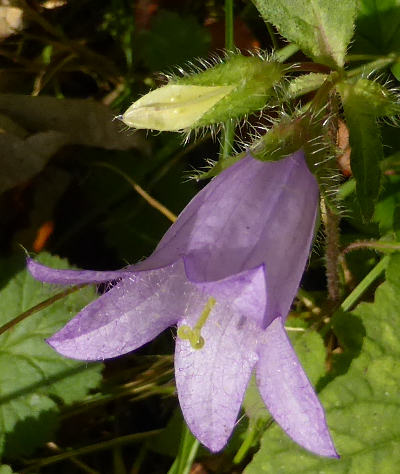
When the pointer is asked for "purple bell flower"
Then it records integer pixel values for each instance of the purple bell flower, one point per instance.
(226, 273)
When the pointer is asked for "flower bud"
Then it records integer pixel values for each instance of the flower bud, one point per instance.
(173, 107)
(230, 90)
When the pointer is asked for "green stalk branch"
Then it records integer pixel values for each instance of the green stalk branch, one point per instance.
(228, 132)
(364, 284)
(35, 309)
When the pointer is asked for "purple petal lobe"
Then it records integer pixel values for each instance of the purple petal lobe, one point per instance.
(129, 315)
(245, 293)
(71, 277)
(288, 393)
(211, 381)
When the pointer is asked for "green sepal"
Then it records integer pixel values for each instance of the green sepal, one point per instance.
(252, 79)
(304, 84)
(281, 140)
(220, 166)
(365, 141)
(377, 100)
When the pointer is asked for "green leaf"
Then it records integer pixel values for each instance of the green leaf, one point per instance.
(5, 469)
(378, 26)
(362, 406)
(321, 28)
(172, 39)
(365, 142)
(385, 209)
(34, 379)
(396, 71)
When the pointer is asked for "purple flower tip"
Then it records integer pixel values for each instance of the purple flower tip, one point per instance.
(226, 273)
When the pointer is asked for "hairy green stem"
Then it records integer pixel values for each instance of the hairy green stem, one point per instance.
(372, 244)
(332, 253)
(373, 66)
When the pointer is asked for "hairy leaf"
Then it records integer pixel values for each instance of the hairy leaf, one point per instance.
(321, 28)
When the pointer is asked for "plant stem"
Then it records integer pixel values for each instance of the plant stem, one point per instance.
(44, 304)
(120, 441)
(364, 284)
(229, 126)
(372, 244)
(286, 52)
(332, 254)
(187, 452)
(145, 195)
(365, 69)
(229, 38)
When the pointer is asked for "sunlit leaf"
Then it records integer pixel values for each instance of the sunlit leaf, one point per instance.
(321, 28)
(362, 405)
(365, 142)
(34, 379)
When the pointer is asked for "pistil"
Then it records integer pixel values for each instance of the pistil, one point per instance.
(194, 334)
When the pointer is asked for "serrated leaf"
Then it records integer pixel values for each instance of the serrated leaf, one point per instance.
(32, 375)
(362, 406)
(321, 28)
(366, 146)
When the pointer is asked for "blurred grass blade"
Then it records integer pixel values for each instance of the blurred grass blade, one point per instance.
(186, 454)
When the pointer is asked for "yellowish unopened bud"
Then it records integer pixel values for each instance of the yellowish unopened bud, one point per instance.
(173, 107)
